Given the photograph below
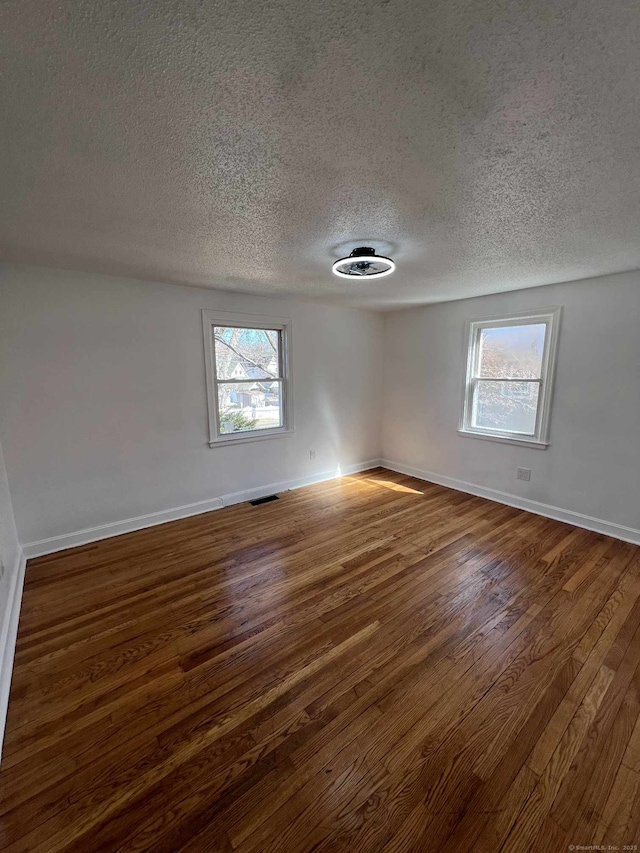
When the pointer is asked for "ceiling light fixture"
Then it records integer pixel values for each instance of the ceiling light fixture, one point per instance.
(363, 261)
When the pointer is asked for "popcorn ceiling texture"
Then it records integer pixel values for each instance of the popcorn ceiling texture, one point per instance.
(244, 145)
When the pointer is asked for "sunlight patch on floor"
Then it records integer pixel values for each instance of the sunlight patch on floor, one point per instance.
(395, 487)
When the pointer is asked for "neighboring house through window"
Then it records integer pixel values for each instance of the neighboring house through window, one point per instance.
(248, 376)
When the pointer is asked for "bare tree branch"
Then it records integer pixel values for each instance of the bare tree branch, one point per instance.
(246, 357)
(273, 346)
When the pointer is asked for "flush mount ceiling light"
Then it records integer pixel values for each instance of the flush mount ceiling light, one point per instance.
(363, 261)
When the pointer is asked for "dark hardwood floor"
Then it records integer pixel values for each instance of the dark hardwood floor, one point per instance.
(369, 664)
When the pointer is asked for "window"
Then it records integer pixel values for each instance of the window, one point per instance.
(510, 366)
(248, 376)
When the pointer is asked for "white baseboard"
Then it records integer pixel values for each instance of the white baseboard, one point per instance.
(598, 525)
(116, 528)
(8, 634)
(287, 485)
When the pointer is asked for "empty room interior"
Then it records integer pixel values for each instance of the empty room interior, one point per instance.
(320, 426)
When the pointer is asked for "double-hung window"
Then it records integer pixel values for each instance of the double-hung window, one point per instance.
(509, 378)
(247, 360)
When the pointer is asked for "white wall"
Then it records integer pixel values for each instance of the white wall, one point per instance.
(9, 545)
(11, 580)
(593, 464)
(104, 415)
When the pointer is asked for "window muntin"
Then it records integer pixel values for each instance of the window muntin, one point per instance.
(248, 377)
(509, 376)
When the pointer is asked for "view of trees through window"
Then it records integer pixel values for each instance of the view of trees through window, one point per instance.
(508, 353)
(248, 378)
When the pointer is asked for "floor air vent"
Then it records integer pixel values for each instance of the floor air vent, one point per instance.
(266, 500)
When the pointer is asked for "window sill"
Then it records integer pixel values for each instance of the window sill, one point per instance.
(522, 442)
(230, 440)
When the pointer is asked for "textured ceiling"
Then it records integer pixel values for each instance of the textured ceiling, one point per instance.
(485, 146)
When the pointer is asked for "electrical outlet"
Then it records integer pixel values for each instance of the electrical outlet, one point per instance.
(312, 454)
(523, 474)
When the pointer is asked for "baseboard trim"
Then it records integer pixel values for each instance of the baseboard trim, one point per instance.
(8, 635)
(289, 485)
(598, 525)
(117, 528)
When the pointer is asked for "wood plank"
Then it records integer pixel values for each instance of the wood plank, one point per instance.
(372, 663)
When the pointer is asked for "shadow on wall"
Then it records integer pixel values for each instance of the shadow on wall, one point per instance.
(331, 427)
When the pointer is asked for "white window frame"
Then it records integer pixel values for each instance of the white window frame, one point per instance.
(246, 321)
(540, 439)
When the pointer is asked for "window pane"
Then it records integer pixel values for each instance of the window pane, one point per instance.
(512, 351)
(249, 406)
(508, 406)
(246, 353)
